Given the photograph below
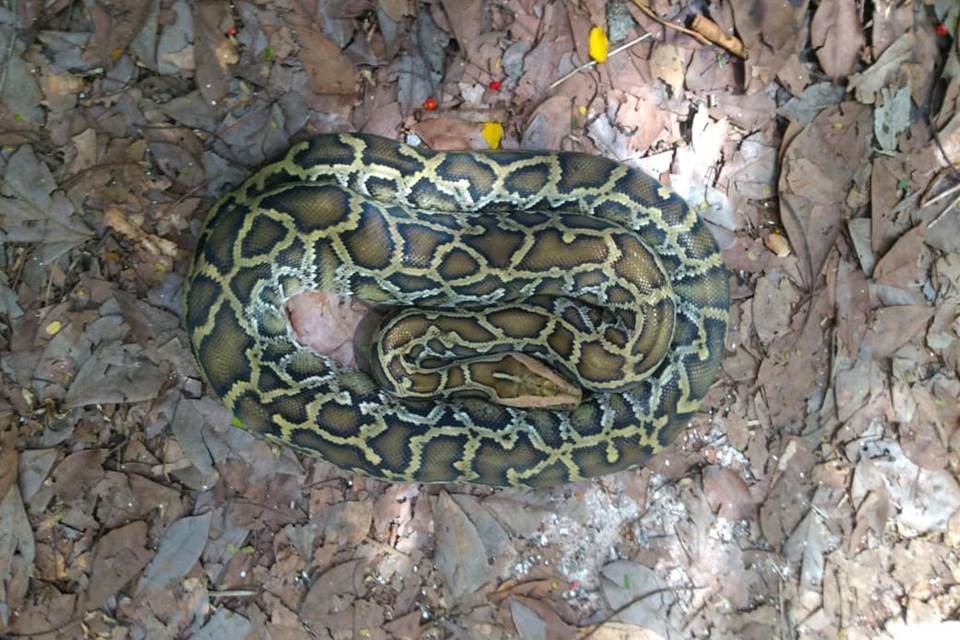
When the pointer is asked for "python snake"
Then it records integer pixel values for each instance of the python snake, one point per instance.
(516, 274)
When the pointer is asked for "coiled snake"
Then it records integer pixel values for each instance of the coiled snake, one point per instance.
(542, 270)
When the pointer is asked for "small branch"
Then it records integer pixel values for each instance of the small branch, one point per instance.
(593, 63)
(652, 14)
(712, 32)
(232, 593)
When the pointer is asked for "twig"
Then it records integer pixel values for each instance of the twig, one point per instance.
(939, 217)
(712, 32)
(940, 196)
(232, 593)
(652, 14)
(593, 63)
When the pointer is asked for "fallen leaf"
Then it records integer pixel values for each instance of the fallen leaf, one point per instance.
(819, 168)
(470, 542)
(907, 262)
(534, 619)
(179, 549)
(893, 327)
(727, 493)
(396, 9)
(118, 557)
(891, 117)
(837, 36)
(330, 602)
(17, 551)
(116, 23)
(772, 33)
(666, 63)
(115, 372)
(867, 85)
(214, 52)
(328, 69)
(224, 623)
(641, 591)
(926, 499)
(346, 523)
(814, 99)
(175, 46)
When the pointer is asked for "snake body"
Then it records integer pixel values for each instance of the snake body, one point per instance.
(497, 262)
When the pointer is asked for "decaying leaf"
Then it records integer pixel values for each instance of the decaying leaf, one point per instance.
(891, 117)
(836, 36)
(180, 547)
(867, 85)
(470, 542)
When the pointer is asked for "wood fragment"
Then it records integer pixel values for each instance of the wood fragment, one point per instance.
(712, 32)
(676, 27)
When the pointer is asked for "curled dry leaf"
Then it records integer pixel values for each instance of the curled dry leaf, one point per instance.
(777, 244)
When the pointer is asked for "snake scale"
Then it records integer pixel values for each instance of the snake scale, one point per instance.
(511, 275)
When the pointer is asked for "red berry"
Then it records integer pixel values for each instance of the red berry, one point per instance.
(942, 30)
(430, 104)
(495, 85)
(232, 31)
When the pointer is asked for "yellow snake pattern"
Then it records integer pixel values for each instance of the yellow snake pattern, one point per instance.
(493, 263)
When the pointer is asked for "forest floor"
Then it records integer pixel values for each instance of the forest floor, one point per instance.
(817, 496)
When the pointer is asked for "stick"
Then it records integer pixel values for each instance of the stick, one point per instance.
(593, 63)
(712, 32)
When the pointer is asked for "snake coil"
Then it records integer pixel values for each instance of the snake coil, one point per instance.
(498, 261)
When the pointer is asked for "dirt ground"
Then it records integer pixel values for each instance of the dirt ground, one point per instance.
(816, 497)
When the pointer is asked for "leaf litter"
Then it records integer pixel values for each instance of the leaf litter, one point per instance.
(817, 496)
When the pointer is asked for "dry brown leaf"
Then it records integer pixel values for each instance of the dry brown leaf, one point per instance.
(116, 23)
(119, 557)
(907, 262)
(666, 63)
(888, 224)
(327, 323)
(795, 367)
(772, 32)
(819, 168)
(837, 37)
(466, 19)
(214, 52)
(328, 69)
(535, 619)
(396, 9)
(867, 85)
(893, 327)
(773, 306)
(549, 124)
(853, 304)
(450, 133)
(727, 493)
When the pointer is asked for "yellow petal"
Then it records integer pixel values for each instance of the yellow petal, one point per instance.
(598, 44)
(493, 133)
(54, 328)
